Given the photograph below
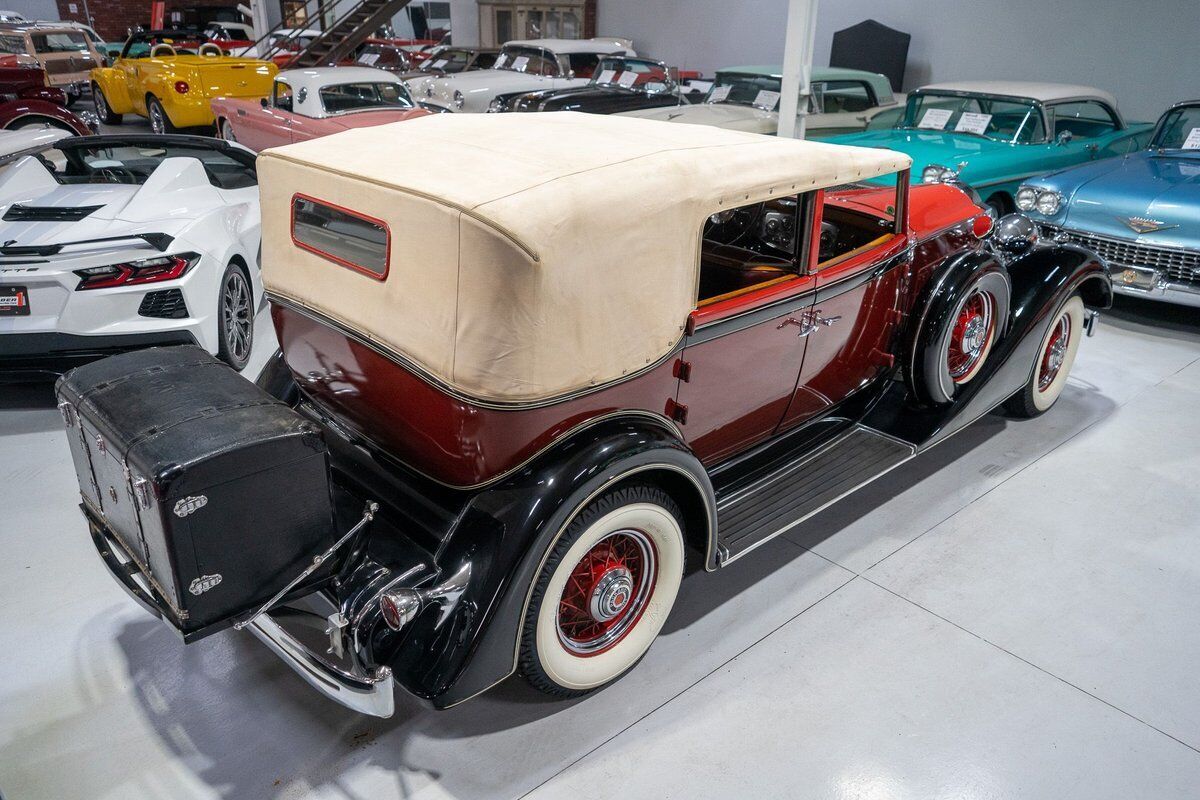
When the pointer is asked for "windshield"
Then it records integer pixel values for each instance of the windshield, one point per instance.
(759, 91)
(359, 96)
(448, 61)
(635, 74)
(1002, 119)
(1180, 130)
(531, 60)
(59, 42)
(134, 162)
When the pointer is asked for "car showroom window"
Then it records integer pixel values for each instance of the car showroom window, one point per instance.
(283, 96)
(753, 246)
(858, 217)
(1084, 120)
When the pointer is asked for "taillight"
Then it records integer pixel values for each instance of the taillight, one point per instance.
(981, 226)
(181, 87)
(133, 273)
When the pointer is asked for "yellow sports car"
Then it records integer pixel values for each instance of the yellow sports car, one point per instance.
(169, 77)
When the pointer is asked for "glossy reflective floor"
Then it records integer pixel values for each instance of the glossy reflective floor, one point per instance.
(1011, 615)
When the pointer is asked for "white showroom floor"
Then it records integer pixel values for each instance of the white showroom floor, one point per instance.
(1013, 615)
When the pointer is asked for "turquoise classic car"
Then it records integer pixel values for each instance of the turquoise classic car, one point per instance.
(992, 135)
(1140, 213)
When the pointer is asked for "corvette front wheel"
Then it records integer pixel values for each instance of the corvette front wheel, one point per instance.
(1056, 356)
(604, 592)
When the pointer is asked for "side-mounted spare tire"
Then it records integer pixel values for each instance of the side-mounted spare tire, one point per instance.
(962, 315)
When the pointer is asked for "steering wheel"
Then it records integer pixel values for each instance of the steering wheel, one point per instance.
(115, 175)
(210, 50)
(161, 49)
(730, 227)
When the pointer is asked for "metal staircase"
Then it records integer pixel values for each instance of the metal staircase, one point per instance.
(343, 37)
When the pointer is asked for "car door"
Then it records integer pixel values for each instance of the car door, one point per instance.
(1093, 129)
(131, 72)
(744, 342)
(269, 124)
(860, 267)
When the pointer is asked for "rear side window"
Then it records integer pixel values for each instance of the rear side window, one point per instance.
(345, 237)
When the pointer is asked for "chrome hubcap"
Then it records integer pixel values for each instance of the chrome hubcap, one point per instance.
(237, 317)
(607, 592)
(611, 594)
(974, 336)
(970, 336)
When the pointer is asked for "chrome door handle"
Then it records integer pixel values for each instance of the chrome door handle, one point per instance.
(826, 321)
(806, 327)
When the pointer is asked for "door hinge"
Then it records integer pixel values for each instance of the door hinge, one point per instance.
(677, 411)
(886, 359)
(682, 370)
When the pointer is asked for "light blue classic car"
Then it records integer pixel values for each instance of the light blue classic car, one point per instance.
(992, 135)
(1140, 213)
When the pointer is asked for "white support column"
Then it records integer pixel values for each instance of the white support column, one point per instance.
(798, 43)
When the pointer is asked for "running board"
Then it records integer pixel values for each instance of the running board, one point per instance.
(753, 513)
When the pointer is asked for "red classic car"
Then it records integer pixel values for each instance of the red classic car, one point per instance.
(605, 352)
(27, 101)
(307, 103)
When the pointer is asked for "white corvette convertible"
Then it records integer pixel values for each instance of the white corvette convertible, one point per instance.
(110, 243)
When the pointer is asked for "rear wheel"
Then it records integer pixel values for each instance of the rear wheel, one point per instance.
(1056, 356)
(159, 121)
(103, 110)
(235, 318)
(225, 131)
(604, 592)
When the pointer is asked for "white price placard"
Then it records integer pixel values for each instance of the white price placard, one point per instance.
(719, 94)
(935, 119)
(520, 62)
(606, 76)
(766, 100)
(440, 63)
(971, 122)
(368, 58)
(1192, 142)
(628, 78)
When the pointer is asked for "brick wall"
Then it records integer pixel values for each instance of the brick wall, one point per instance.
(113, 19)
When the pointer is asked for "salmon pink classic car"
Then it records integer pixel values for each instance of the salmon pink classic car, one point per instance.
(513, 409)
(308, 103)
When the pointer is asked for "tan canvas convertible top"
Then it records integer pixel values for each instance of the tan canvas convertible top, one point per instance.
(531, 255)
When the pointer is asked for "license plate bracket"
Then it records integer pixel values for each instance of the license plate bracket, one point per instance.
(14, 301)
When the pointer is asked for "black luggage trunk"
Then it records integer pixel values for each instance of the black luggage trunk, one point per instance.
(218, 493)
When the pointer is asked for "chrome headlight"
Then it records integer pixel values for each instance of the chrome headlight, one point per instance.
(1027, 198)
(459, 99)
(936, 173)
(1049, 203)
(496, 106)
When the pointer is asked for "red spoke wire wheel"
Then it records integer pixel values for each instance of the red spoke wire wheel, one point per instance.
(1055, 352)
(607, 592)
(971, 338)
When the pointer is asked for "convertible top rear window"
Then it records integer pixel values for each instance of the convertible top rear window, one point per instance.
(345, 237)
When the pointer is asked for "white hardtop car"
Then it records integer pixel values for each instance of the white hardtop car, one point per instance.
(113, 243)
(528, 65)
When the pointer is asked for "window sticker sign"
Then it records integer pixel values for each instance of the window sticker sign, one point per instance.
(606, 76)
(766, 100)
(369, 59)
(935, 119)
(440, 63)
(628, 78)
(719, 94)
(971, 122)
(1192, 142)
(520, 62)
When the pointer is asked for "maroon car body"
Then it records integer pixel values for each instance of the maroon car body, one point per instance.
(25, 99)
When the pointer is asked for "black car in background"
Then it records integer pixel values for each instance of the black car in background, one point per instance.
(620, 83)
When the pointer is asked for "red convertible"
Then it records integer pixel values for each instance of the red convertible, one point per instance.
(605, 352)
(309, 103)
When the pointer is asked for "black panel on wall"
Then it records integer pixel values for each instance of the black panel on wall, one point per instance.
(874, 47)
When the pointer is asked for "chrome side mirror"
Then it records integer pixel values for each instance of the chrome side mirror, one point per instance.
(1065, 138)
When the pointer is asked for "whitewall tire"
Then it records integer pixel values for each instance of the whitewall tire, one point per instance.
(604, 592)
(1055, 357)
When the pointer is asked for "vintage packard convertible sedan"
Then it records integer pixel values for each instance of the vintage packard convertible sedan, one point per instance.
(172, 87)
(606, 352)
(747, 99)
(1141, 212)
(307, 103)
(991, 135)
